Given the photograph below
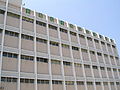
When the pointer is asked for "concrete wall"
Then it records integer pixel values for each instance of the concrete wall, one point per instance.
(12, 21)
(27, 44)
(64, 36)
(42, 47)
(42, 68)
(9, 64)
(41, 30)
(27, 66)
(11, 41)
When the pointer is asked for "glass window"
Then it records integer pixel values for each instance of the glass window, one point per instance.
(80, 29)
(41, 23)
(69, 82)
(40, 15)
(27, 19)
(75, 48)
(43, 81)
(61, 22)
(2, 12)
(63, 30)
(54, 43)
(28, 11)
(13, 15)
(41, 40)
(65, 46)
(27, 37)
(67, 63)
(55, 62)
(45, 60)
(73, 33)
(52, 27)
(71, 26)
(80, 83)
(56, 82)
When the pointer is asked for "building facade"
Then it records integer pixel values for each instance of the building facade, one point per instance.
(40, 52)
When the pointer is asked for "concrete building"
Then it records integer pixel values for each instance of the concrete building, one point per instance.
(40, 52)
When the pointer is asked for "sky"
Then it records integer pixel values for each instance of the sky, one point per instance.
(101, 16)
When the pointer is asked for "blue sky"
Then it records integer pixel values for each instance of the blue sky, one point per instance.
(102, 16)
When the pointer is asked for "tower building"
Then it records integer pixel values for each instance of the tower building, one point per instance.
(40, 52)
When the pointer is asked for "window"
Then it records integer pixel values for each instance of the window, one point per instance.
(27, 19)
(97, 83)
(67, 63)
(88, 32)
(86, 66)
(51, 19)
(44, 60)
(8, 79)
(80, 83)
(94, 34)
(54, 43)
(99, 54)
(10, 55)
(105, 55)
(41, 23)
(73, 33)
(89, 38)
(111, 40)
(116, 58)
(69, 82)
(101, 36)
(71, 26)
(108, 45)
(94, 67)
(13, 15)
(40, 15)
(84, 50)
(11, 33)
(96, 41)
(108, 69)
(43, 81)
(102, 43)
(65, 46)
(92, 52)
(0, 30)
(55, 62)
(28, 11)
(115, 70)
(75, 48)
(89, 83)
(56, 82)
(105, 83)
(106, 38)
(61, 22)
(80, 29)
(78, 65)
(2, 12)
(63, 30)
(113, 46)
(117, 83)
(41, 40)
(24, 57)
(111, 57)
(22, 80)
(111, 83)
(27, 37)
(81, 36)
(102, 68)
(52, 27)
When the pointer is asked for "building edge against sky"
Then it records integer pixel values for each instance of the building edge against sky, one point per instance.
(19, 3)
(40, 52)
